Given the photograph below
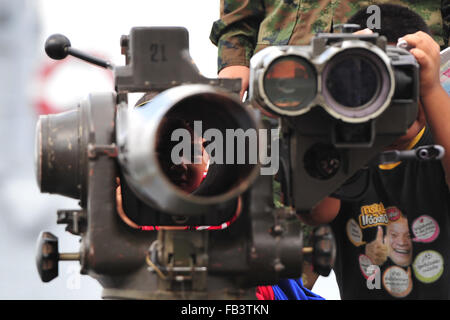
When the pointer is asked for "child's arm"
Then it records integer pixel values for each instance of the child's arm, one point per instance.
(235, 36)
(435, 100)
(234, 72)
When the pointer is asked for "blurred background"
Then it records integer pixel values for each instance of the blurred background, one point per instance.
(31, 84)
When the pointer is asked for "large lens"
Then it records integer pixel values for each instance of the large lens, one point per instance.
(195, 126)
(357, 84)
(57, 154)
(290, 84)
(189, 150)
(353, 81)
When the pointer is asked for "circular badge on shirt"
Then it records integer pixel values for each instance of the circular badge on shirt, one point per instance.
(425, 229)
(354, 233)
(365, 265)
(428, 266)
(397, 281)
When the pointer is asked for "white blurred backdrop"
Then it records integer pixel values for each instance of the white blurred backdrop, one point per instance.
(31, 84)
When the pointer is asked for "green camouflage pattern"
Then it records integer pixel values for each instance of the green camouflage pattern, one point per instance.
(445, 7)
(247, 26)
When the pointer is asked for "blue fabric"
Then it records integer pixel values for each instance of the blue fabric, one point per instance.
(293, 289)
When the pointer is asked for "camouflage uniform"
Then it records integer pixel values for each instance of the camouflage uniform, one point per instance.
(445, 7)
(247, 26)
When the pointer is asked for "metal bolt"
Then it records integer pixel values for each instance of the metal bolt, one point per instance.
(278, 266)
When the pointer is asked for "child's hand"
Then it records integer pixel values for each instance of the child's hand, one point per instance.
(365, 31)
(234, 72)
(427, 53)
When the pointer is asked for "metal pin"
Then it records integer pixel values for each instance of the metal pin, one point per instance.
(402, 44)
(307, 250)
(69, 256)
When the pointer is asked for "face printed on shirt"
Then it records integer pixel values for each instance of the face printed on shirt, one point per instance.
(399, 242)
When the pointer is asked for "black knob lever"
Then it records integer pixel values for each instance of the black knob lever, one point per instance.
(58, 47)
(48, 256)
(422, 153)
(323, 250)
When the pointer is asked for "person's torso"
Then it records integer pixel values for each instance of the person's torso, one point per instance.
(417, 264)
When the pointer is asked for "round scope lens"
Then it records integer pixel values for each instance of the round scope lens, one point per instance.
(357, 84)
(352, 81)
(290, 83)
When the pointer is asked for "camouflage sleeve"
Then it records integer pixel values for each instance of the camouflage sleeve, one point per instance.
(236, 32)
(445, 11)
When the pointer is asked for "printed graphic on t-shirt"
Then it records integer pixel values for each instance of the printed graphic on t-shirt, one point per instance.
(397, 281)
(377, 250)
(393, 213)
(392, 241)
(354, 233)
(398, 238)
(392, 247)
(365, 265)
(373, 215)
(425, 229)
(428, 266)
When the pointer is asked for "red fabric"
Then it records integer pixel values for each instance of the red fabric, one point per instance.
(265, 293)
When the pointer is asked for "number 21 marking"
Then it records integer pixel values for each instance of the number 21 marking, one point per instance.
(157, 53)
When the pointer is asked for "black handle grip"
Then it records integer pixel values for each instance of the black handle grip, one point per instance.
(58, 47)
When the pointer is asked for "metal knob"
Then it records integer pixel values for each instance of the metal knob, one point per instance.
(47, 256)
(323, 250)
